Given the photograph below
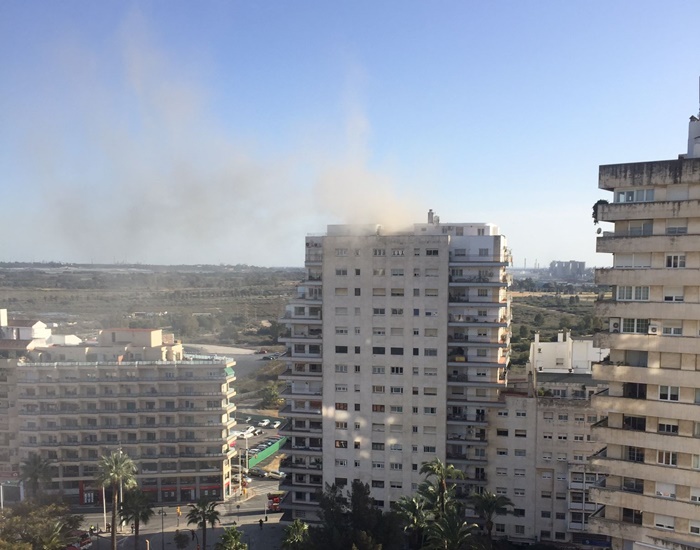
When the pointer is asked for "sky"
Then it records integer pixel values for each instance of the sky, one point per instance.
(224, 131)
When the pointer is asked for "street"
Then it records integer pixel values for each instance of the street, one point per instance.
(246, 518)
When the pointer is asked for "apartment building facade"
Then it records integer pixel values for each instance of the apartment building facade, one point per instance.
(539, 443)
(131, 389)
(398, 346)
(651, 427)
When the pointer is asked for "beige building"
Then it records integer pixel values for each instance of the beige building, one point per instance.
(398, 346)
(539, 443)
(651, 425)
(131, 389)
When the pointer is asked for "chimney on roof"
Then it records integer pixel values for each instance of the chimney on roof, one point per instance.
(3, 317)
(430, 216)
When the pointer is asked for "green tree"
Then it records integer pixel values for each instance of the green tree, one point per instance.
(35, 472)
(539, 319)
(524, 331)
(414, 518)
(231, 540)
(441, 473)
(136, 509)
(487, 506)
(270, 396)
(38, 525)
(116, 470)
(449, 532)
(201, 513)
(296, 536)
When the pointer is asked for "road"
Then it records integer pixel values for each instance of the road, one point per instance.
(247, 518)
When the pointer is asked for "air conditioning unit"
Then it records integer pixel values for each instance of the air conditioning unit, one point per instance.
(540, 369)
(653, 329)
(614, 324)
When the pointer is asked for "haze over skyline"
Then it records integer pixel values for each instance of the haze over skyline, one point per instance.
(223, 132)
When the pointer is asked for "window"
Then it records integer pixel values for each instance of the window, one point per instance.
(672, 328)
(341, 330)
(636, 293)
(397, 272)
(397, 311)
(431, 252)
(341, 462)
(341, 272)
(546, 514)
(378, 370)
(396, 390)
(397, 251)
(339, 311)
(377, 465)
(395, 466)
(668, 393)
(669, 458)
(429, 391)
(341, 349)
(502, 432)
(429, 448)
(562, 437)
(431, 332)
(378, 350)
(429, 410)
(341, 387)
(397, 292)
(635, 454)
(341, 368)
(519, 492)
(378, 331)
(396, 447)
(431, 292)
(341, 291)
(377, 446)
(341, 425)
(358, 292)
(378, 272)
(378, 389)
(379, 252)
(673, 294)
(520, 433)
(341, 251)
(483, 252)
(563, 418)
(640, 326)
(341, 444)
(547, 435)
(521, 414)
(519, 472)
(396, 351)
(397, 370)
(675, 260)
(520, 452)
(378, 408)
(377, 483)
(519, 512)
(379, 292)
(378, 311)
(341, 406)
(501, 471)
(482, 292)
(430, 352)
(396, 408)
(664, 522)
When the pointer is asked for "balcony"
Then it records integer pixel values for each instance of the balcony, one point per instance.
(291, 374)
(647, 309)
(647, 342)
(459, 320)
(476, 420)
(621, 242)
(299, 412)
(494, 260)
(621, 211)
(647, 276)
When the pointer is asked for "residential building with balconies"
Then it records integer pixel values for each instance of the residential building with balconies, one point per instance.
(131, 389)
(398, 346)
(650, 426)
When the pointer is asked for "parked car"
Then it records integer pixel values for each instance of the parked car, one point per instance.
(245, 480)
(258, 432)
(274, 474)
(264, 423)
(257, 472)
(276, 424)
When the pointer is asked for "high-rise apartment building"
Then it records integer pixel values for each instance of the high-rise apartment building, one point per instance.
(651, 425)
(131, 389)
(398, 347)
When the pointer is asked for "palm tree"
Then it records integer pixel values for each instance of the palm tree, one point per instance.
(231, 540)
(35, 472)
(201, 513)
(136, 509)
(441, 472)
(487, 506)
(53, 537)
(449, 532)
(113, 471)
(296, 536)
(414, 517)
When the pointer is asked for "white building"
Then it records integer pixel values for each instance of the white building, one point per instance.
(651, 426)
(398, 348)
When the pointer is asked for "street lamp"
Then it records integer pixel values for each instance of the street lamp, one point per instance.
(162, 515)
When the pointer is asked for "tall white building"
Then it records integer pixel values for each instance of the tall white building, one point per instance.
(651, 424)
(398, 348)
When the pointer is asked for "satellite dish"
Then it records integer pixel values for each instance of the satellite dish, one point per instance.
(599, 231)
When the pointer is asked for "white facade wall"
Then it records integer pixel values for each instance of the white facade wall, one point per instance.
(398, 349)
